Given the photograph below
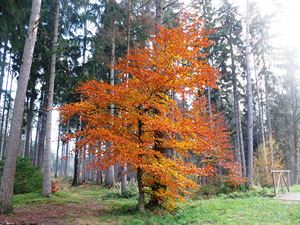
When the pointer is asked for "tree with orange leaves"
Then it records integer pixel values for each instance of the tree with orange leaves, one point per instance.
(147, 121)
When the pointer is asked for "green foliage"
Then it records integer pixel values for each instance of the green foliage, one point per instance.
(28, 178)
(217, 188)
(264, 192)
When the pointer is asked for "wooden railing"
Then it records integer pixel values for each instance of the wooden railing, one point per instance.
(281, 178)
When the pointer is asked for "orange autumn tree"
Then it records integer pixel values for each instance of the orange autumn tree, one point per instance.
(148, 129)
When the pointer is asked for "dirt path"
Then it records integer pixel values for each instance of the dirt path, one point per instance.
(290, 196)
(48, 214)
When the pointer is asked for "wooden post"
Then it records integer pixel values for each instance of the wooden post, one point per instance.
(281, 180)
(274, 185)
(289, 181)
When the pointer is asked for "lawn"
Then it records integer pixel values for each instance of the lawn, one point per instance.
(96, 205)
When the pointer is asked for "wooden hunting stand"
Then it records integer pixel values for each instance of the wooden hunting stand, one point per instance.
(281, 180)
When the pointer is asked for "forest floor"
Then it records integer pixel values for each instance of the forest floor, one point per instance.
(90, 205)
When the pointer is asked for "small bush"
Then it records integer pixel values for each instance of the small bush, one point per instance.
(28, 178)
(264, 192)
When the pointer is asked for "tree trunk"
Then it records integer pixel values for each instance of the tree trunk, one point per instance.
(3, 144)
(76, 167)
(42, 132)
(109, 173)
(61, 173)
(249, 102)
(109, 177)
(29, 123)
(141, 204)
(99, 177)
(209, 101)
(259, 107)
(83, 165)
(8, 177)
(295, 134)
(2, 135)
(38, 130)
(57, 152)
(47, 149)
(268, 112)
(124, 166)
(3, 65)
(158, 16)
(239, 152)
(67, 153)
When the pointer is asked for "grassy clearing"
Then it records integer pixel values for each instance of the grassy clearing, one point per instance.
(238, 208)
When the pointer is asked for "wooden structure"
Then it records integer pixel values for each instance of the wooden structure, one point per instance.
(281, 180)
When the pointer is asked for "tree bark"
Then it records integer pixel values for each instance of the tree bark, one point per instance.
(61, 173)
(47, 149)
(42, 133)
(268, 112)
(124, 166)
(295, 134)
(2, 135)
(141, 204)
(158, 16)
(38, 129)
(76, 168)
(109, 173)
(259, 108)
(239, 152)
(4, 142)
(249, 102)
(29, 123)
(8, 177)
(67, 153)
(3, 65)
(57, 152)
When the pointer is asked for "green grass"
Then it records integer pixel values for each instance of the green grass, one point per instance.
(73, 195)
(295, 188)
(232, 209)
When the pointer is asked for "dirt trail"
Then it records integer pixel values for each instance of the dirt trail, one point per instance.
(290, 196)
(49, 214)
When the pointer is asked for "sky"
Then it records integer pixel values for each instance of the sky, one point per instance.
(285, 22)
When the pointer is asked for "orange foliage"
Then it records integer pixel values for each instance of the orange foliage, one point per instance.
(54, 186)
(147, 121)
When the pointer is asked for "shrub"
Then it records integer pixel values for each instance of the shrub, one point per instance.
(263, 163)
(28, 178)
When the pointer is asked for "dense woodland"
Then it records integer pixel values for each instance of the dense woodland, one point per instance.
(147, 94)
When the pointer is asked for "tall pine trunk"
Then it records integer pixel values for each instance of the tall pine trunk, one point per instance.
(2, 135)
(260, 109)
(57, 152)
(268, 114)
(3, 144)
(47, 149)
(158, 16)
(124, 166)
(249, 101)
(76, 167)
(3, 66)
(110, 173)
(38, 128)
(66, 164)
(29, 119)
(8, 177)
(295, 135)
(239, 151)
(42, 132)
